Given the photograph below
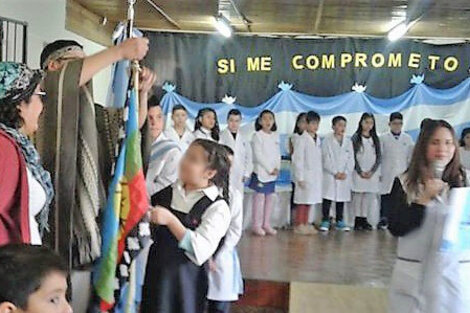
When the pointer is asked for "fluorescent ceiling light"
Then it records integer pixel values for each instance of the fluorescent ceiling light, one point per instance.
(398, 31)
(223, 25)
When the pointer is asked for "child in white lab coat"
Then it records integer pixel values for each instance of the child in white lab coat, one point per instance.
(366, 176)
(207, 125)
(299, 129)
(242, 166)
(465, 148)
(225, 277)
(338, 165)
(266, 167)
(397, 149)
(307, 168)
(179, 131)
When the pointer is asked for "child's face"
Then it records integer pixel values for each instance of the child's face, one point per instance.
(155, 121)
(339, 128)
(179, 118)
(193, 167)
(302, 124)
(396, 126)
(441, 146)
(50, 297)
(312, 127)
(267, 121)
(208, 120)
(466, 140)
(367, 124)
(234, 122)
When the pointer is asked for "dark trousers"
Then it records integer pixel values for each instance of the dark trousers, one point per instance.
(218, 307)
(326, 210)
(385, 205)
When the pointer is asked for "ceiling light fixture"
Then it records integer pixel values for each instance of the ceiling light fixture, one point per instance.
(398, 31)
(222, 24)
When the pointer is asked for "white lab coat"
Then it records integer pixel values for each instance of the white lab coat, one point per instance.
(337, 159)
(203, 133)
(465, 158)
(307, 168)
(163, 165)
(183, 141)
(396, 157)
(226, 283)
(242, 166)
(366, 158)
(266, 155)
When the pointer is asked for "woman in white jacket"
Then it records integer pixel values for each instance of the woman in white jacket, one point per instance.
(307, 168)
(428, 278)
(266, 167)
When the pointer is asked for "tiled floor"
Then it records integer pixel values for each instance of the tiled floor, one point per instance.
(363, 259)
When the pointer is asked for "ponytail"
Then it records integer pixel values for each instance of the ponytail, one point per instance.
(218, 160)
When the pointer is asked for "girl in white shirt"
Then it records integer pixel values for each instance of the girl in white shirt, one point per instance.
(465, 148)
(307, 168)
(266, 167)
(366, 183)
(179, 131)
(207, 125)
(193, 218)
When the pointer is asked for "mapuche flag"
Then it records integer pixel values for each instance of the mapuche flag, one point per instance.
(123, 233)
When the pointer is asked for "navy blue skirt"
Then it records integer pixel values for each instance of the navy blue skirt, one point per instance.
(256, 185)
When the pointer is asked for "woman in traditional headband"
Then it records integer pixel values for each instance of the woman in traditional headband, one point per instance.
(25, 187)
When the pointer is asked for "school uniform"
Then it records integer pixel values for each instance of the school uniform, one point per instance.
(337, 157)
(183, 141)
(365, 191)
(465, 158)
(176, 279)
(226, 283)
(307, 167)
(163, 164)
(396, 156)
(242, 166)
(266, 158)
(203, 133)
(425, 278)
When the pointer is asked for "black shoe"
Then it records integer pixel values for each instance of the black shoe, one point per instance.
(366, 226)
(382, 225)
(358, 224)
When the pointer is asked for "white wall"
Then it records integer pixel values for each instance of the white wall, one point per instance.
(46, 23)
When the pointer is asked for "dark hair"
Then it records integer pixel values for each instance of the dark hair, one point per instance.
(23, 269)
(338, 118)
(424, 123)
(217, 159)
(53, 47)
(235, 112)
(178, 107)
(9, 112)
(313, 116)
(396, 116)
(465, 132)
(153, 102)
(301, 116)
(258, 119)
(373, 134)
(228, 150)
(214, 131)
(420, 169)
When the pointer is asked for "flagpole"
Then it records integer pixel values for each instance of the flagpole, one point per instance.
(135, 67)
